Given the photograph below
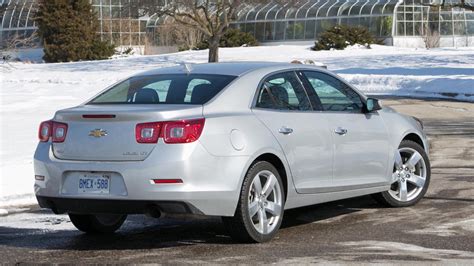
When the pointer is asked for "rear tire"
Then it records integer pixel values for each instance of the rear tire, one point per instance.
(97, 224)
(261, 205)
(411, 177)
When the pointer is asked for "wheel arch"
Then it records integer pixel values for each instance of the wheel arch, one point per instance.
(279, 165)
(417, 139)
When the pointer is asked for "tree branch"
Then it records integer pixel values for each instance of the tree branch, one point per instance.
(461, 4)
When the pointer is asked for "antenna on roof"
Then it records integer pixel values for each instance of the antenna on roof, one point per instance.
(187, 68)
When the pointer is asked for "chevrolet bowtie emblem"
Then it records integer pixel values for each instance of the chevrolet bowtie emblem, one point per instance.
(97, 133)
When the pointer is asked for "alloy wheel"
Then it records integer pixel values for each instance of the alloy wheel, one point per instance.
(409, 175)
(265, 202)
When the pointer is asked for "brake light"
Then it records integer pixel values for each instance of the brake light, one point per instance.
(44, 131)
(59, 132)
(98, 116)
(184, 131)
(54, 130)
(148, 132)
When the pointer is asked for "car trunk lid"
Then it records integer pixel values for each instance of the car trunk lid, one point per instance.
(107, 132)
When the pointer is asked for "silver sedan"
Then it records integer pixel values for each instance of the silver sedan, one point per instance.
(244, 141)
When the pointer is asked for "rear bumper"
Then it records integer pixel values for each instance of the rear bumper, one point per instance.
(100, 206)
(211, 185)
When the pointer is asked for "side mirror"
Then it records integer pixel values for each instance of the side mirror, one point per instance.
(372, 105)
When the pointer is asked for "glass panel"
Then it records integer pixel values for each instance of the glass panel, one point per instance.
(272, 13)
(459, 28)
(470, 27)
(283, 92)
(386, 26)
(446, 28)
(125, 39)
(116, 12)
(281, 13)
(355, 10)
(366, 9)
(313, 10)
(291, 13)
(260, 31)
(263, 12)
(332, 11)
(280, 27)
(290, 30)
(250, 28)
(116, 38)
(269, 31)
(344, 9)
(310, 29)
(106, 11)
(335, 96)
(299, 30)
(165, 89)
(328, 23)
(116, 25)
(401, 29)
(301, 13)
(418, 29)
(377, 9)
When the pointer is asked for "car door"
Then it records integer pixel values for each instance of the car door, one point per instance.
(361, 146)
(283, 106)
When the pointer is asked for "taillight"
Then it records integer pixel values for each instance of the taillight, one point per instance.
(59, 132)
(44, 131)
(148, 132)
(54, 130)
(184, 131)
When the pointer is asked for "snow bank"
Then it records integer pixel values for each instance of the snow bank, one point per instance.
(31, 93)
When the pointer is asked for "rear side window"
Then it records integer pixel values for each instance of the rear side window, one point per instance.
(165, 89)
(283, 91)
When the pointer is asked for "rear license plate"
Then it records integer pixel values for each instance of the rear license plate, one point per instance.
(91, 183)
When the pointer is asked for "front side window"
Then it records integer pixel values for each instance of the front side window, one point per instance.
(283, 92)
(334, 94)
(165, 89)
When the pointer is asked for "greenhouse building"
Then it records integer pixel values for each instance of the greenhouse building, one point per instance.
(398, 22)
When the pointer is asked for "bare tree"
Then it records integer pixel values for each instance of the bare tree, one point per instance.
(174, 34)
(461, 3)
(18, 41)
(431, 38)
(211, 17)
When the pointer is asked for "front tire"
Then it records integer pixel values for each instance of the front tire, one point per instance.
(260, 209)
(97, 224)
(411, 177)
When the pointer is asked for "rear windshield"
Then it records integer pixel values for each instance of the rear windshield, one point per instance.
(165, 89)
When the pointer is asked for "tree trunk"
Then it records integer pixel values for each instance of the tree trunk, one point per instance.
(213, 50)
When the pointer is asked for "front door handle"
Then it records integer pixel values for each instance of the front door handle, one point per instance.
(285, 130)
(340, 131)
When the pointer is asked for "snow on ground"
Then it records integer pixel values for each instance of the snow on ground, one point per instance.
(31, 93)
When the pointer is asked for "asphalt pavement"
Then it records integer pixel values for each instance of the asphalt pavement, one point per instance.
(440, 229)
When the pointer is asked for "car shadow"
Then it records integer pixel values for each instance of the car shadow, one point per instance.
(140, 232)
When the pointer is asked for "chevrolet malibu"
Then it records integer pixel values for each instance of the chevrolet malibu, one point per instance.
(244, 141)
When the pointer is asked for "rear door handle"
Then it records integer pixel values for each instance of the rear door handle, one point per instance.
(285, 130)
(340, 131)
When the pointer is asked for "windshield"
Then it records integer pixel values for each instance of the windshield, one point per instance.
(165, 89)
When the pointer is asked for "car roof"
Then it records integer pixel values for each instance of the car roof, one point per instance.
(224, 68)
